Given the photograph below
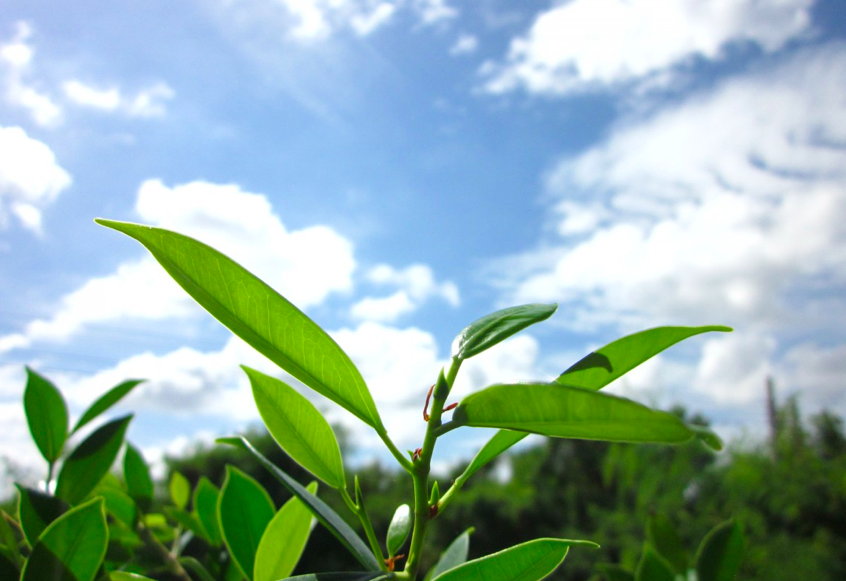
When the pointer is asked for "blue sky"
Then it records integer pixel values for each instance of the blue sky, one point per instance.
(398, 168)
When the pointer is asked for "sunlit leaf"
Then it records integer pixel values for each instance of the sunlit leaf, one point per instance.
(244, 510)
(205, 505)
(298, 427)
(180, 490)
(454, 555)
(499, 443)
(399, 529)
(137, 476)
(46, 414)
(653, 567)
(106, 401)
(486, 332)
(284, 540)
(661, 533)
(118, 503)
(721, 553)
(260, 316)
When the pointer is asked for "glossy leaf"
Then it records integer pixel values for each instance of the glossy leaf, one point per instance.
(244, 510)
(284, 540)
(454, 555)
(486, 332)
(661, 533)
(358, 576)
(260, 316)
(721, 553)
(653, 567)
(500, 442)
(72, 547)
(180, 490)
(325, 515)
(298, 427)
(139, 483)
(601, 367)
(529, 561)
(91, 460)
(615, 572)
(106, 401)
(399, 529)
(561, 411)
(46, 414)
(205, 506)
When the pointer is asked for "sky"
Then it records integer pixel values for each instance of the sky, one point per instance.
(399, 168)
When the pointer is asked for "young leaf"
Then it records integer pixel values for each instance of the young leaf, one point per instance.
(615, 572)
(399, 529)
(244, 510)
(205, 505)
(721, 553)
(486, 332)
(72, 547)
(562, 411)
(180, 490)
(529, 561)
(653, 567)
(359, 576)
(284, 539)
(661, 533)
(106, 401)
(46, 414)
(260, 316)
(601, 367)
(90, 461)
(500, 442)
(327, 517)
(454, 555)
(137, 476)
(298, 427)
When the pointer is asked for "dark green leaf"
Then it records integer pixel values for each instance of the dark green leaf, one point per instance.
(399, 529)
(106, 401)
(205, 505)
(327, 517)
(486, 332)
(721, 553)
(46, 414)
(260, 316)
(529, 561)
(455, 555)
(653, 567)
(562, 411)
(137, 476)
(9, 539)
(90, 461)
(180, 490)
(125, 576)
(615, 573)
(188, 520)
(284, 540)
(8, 570)
(500, 442)
(362, 576)
(72, 547)
(244, 510)
(604, 365)
(298, 427)
(661, 533)
(196, 567)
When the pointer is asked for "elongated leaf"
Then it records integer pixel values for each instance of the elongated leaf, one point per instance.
(486, 332)
(361, 576)
(454, 555)
(205, 506)
(500, 442)
(721, 553)
(106, 401)
(529, 561)
(601, 367)
(615, 572)
(46, 414)
(399, 529)
(10, 540)
(137, 476)
(180, 490)
(72, 547)
(707, 437)
(284, 540)
(661, 533)
(91, 460)
(298, 427)
(653, 567)
(244, 510)
(193, 565)
(260, 316)
(562, 411)
(325, 515)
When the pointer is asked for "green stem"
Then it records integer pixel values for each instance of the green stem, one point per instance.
(403, 461)
(171, 563)
(361, 512)
(49, 477)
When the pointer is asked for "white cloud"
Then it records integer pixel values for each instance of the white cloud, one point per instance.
(464, 44)
(434, 11)
(416, 285)
(364, 24)
(30, 177)
(815, 373)
(589, 44)
(87, 96)
(16, 61)
(149, 102)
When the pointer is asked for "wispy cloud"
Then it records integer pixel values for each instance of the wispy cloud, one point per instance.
(416, 284)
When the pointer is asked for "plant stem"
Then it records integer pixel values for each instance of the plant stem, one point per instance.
(403, 461)
(171, 562)
(49, 477)
(361, 512)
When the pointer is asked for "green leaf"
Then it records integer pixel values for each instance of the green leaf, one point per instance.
(529, 561)
(284, 540)
(244, 510)
(137, 476)
(601, 367)
(90, 461)
(8, 569)
(106, 401)
(486, 332)
(721, 553)
(118, 503)
(188, 520)
(46, 414)
(124, 576)
(260, 316)
(500, 442)
(180, 490)
(327, 517)
(661, 533)
(454, 555)
(360, 576)
(7, 535)
(708, 437)
(562, 411)
(399, 529)
(615, 572)
(72, 547)
(196, 567)
(298, 428)
(205, 505)
(653, 567)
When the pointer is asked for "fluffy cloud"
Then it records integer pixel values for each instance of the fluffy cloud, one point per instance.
(464, 44)
(30, 177)
(16, 67)
(416, 284)
(587, 44)
(149, 102)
